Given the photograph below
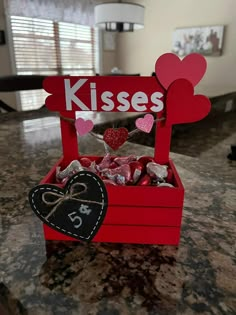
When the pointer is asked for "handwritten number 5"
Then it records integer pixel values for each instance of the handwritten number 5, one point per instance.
(76, 219)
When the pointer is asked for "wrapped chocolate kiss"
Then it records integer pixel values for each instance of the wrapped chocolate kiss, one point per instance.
(113, 165)
(137, 169)
(145, 159)
(73, 168)
(93, 167)
(157, 171)
(105, 163)
(109, 182)
(121, 160)
(85, 162)
(145, 180)
(121, 175)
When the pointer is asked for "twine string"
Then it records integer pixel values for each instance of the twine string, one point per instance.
(71, 195)
(100, 137)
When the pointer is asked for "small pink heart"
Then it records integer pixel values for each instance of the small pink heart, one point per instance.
(170, 68)
(83, 126)
(145, 124)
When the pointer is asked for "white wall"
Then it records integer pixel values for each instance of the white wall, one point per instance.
(138, 51)
(5, 60)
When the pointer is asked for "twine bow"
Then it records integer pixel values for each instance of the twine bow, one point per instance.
(71, 195)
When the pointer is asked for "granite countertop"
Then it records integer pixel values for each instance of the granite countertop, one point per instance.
(56, 278)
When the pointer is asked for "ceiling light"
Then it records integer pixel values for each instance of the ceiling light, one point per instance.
(119, 17)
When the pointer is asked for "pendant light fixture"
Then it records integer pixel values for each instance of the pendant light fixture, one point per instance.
(119, 16)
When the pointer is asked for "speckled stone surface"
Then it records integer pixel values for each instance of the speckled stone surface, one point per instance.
(198, 277)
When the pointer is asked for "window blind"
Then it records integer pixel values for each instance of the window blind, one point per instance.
(51, 48)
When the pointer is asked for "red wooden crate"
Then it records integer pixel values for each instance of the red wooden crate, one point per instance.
(145, 214)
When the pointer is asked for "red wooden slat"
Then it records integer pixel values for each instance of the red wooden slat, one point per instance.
(143, 216)
(126, 234)
(162, 143)
(177, 180)
(68, 137)
(149, 196)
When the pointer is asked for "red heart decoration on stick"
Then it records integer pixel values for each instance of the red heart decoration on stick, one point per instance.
(115, 137)
(169, 68)
(182, 106)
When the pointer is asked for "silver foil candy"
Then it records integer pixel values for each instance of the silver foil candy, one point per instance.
(157, 171)
(71, 169)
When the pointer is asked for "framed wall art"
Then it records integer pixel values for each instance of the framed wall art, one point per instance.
(206, 40)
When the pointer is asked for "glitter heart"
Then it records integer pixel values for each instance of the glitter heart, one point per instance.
(115, 137)
(83, 126)
(145, 124)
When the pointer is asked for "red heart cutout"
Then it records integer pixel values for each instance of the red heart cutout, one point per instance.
(115, 137)
(182, 106)
(170, 68)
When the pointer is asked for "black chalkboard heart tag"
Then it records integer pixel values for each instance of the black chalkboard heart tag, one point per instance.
(76, 210)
